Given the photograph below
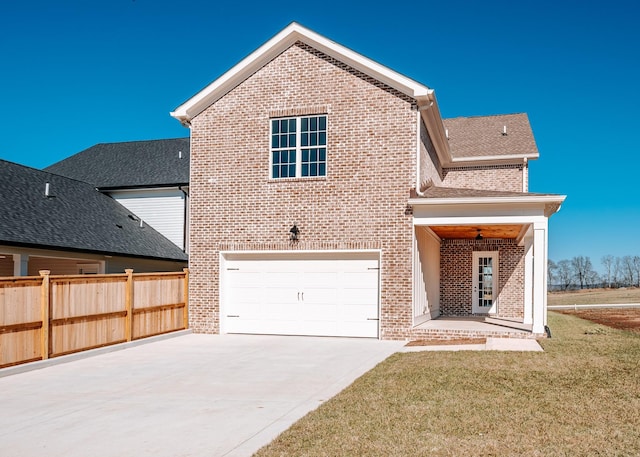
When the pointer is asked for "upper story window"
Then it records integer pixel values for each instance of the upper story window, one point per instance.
(299, 147)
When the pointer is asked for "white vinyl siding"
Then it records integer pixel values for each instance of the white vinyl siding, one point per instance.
(162, 209)
(60, 266)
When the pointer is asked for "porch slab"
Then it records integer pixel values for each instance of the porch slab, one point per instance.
(492, 344)
(471, 323)
(451, 328)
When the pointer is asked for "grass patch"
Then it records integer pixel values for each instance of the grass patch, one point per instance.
(580, 397)
(595, 296)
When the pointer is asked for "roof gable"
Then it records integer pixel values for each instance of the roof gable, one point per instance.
(75, 216)
(274, 47)
(155, 163)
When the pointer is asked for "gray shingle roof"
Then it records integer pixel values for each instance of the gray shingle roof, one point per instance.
(131, 164)
(75, 217)
(482, 136)
(452, 192)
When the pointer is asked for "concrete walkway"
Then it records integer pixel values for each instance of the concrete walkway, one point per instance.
(492, 344)
(193, 395)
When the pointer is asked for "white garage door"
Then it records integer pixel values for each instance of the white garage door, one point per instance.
(291, 296)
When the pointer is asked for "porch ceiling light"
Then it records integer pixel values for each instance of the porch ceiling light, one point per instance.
(479, 235)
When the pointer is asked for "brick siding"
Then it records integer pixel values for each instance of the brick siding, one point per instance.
(361, 202)
(492, 177)
(456, 280)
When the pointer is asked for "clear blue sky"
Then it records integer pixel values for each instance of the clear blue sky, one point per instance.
(77, 73)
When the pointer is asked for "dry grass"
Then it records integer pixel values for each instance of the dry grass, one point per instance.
(580, 397)
(595, 296)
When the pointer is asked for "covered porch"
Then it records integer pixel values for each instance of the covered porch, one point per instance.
(471, 327)
(480, 265)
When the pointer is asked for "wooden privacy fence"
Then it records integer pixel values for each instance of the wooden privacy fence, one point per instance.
(49, 316)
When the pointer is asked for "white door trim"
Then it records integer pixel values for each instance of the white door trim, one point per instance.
(478, 275)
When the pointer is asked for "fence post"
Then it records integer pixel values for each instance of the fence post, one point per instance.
(45, 312)
(128, 303)
(186, 298)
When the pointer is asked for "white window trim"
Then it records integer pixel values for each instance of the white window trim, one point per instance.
(298, 147)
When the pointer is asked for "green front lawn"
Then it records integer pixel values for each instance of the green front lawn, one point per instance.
(580, 397)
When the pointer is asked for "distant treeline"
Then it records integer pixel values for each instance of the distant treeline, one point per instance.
(578, 273)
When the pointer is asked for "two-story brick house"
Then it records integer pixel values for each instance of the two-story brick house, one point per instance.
(328, 197)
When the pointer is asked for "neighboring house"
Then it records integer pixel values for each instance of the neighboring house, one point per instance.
(328, 197)
(150, 178)
(67, 226)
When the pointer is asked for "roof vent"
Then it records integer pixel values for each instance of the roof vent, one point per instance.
(179, 154)
(47, 187)
(141, 223)
(446, 132)
(504, 131)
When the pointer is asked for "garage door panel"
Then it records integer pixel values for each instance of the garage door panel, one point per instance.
(318, 278)
(356, 279)
(356, 313)
(280, 278)
(277, 295)
(332, 297)
(319, 296)
(244, 279)
(359, 296)
(324, 313)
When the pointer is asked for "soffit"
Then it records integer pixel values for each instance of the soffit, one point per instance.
(470, 232)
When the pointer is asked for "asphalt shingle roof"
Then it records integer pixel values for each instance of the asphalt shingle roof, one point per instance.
(75, 217)
(452, 192)
(482, 136)
(131, 164)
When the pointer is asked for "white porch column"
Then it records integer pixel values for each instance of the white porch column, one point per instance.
(20, 265)
(539, 276)
(528, 277)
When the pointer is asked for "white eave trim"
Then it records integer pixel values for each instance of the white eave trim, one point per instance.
(530, 199)
(491, 160)
(276, 45)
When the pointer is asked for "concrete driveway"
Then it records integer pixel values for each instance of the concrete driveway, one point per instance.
(193, 395)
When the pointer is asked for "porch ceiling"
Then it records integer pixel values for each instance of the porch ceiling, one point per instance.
(469, 232)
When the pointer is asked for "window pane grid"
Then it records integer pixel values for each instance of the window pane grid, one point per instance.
(311, 132)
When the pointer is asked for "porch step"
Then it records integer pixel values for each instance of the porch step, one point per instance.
(508, 323)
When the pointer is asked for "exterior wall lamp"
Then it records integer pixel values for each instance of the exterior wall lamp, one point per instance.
(293, 234)
(479, 235)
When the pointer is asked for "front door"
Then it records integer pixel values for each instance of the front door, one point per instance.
(485, 276)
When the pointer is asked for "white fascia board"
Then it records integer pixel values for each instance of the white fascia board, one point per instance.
(491, 160)
(479, 220)
(530, 199)
(276, 45)
(144, 189)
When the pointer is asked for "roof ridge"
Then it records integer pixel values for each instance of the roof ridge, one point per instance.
(484, 115)
(45, 172)
(139, 141)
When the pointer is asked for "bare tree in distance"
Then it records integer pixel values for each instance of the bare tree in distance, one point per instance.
(564, 274)
(579, 272)
(583, 270)
(627, 270)
(552, 267)
(617, 272)
(608, 264)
